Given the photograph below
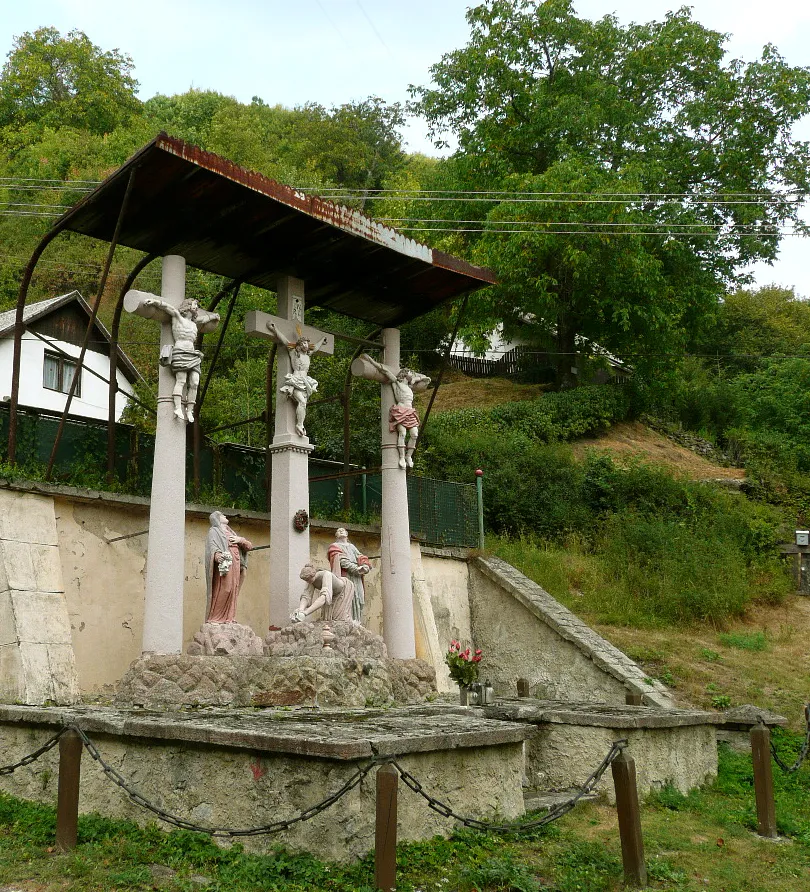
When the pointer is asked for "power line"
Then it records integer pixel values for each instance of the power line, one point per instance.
(44, 180)
(663, 224)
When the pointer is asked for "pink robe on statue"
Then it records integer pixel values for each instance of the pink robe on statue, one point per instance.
(225, 589)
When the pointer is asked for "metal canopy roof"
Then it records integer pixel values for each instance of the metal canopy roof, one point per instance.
(243, 225)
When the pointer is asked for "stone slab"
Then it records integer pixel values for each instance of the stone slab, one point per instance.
(47, 568)
(41, 617)
(40, 524)
(743, 718)
(598, 715)
(328, 734)
(17, 566)
(8, 623)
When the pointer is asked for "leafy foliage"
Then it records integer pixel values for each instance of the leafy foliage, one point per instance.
(53, 82)
(650, 117)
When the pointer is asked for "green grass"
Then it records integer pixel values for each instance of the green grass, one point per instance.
(649, 573)
(755, 641)
(703, 840)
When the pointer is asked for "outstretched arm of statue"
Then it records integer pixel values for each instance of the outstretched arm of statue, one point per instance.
(276, 334)
(383, 369)
(316, 347)
(162, 305)
(419, 382)
(204, 317)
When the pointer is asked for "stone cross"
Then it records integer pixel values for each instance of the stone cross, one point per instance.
(395, 537)
(165, 570)
(289, 548)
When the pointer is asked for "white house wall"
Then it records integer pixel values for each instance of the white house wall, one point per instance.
(93, 402)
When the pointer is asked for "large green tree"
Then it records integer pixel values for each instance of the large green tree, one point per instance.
(66, 81)
(640, 169)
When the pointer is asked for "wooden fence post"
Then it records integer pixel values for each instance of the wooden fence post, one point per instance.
(624, 780)
(763, 780)
(67, 804)
(385, 836)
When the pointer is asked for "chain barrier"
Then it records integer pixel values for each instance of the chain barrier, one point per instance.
(356, 777)
(32, 757)
(276, 827)
(805, 749)
(517, 826)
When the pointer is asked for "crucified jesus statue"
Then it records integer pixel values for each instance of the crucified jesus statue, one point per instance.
(298, 386)
(402, 416)
(184, 360)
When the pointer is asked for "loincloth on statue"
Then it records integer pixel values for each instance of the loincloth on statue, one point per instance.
(302, 383)
(402, 416)
(183, 360)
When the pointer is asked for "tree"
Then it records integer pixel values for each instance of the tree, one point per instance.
(66, 81)
(640, 170)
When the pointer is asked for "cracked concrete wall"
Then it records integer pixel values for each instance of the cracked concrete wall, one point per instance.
(36, 657)
(104, 581)
(448, 577)
(525, 633)
(256, 788)
(565, 755)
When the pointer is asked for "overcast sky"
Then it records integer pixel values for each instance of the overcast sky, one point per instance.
(334, 51)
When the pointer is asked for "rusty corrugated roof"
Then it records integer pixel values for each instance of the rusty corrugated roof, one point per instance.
(240, 224)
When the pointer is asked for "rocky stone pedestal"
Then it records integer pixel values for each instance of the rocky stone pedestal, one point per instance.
(320, 638)
(223, 639)
(310, 664)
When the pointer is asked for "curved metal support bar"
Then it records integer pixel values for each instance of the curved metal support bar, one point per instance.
(196, 432)
(19, 328)
(445, 358)
(113, 389)
(346, 399)
(93, 315)
(235, 283)
(223, 329)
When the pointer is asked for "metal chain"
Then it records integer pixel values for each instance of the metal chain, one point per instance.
(359, 774)
(266, 829)
(516, 827)
(27, 760)
(803, 752)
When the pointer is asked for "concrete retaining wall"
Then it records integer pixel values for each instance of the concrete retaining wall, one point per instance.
(525, 633)
(522, 630)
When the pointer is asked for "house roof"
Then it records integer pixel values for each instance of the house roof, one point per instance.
(43, 308)
(240, 224)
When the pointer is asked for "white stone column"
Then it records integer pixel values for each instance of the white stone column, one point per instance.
(395, 536)
(289, 549)
(165, 562)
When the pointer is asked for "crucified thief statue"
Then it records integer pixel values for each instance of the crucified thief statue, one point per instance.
(298, 386)
(402, 416)
(184, 359)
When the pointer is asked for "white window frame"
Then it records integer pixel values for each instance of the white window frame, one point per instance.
(62, 386)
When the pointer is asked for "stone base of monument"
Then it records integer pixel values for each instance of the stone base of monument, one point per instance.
(222, 639)
(309, 664)
(240, 769)
(320, 638)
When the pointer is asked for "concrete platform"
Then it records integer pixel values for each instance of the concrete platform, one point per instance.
(242, 768)
(670, 746)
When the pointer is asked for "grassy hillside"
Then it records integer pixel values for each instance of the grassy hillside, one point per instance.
(650, 542)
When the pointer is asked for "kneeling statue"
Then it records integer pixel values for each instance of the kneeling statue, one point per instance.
(335, 594)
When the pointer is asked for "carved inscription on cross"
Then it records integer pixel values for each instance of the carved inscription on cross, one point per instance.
(294, 381)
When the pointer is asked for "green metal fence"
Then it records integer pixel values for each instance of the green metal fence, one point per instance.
(441, 512)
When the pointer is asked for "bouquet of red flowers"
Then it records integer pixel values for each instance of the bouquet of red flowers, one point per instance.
(463, 665)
